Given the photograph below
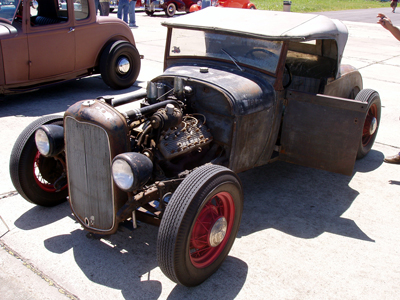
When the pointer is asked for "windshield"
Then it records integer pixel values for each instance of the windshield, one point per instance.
(249, 51)
(8, 9)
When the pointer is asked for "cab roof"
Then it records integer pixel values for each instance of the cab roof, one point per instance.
(271, 25)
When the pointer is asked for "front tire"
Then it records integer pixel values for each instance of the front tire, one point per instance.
(371, 121)
(170, 10)
(32, 174)
(120, 65)
(199, 225)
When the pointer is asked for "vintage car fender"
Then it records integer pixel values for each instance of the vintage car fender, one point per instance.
(347, 85)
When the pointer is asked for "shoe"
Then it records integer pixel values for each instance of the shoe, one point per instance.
(395, 159)
(132, 25)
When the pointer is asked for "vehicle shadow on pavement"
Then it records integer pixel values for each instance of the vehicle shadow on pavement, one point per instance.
(300, 201)
(57, 98)
(133, 253)
(103, 259)
(39, 216)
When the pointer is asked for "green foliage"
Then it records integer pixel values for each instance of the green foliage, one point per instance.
(320, 5)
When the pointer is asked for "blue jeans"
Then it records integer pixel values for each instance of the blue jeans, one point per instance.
(123, 6)
(96, 5)
(132, 19)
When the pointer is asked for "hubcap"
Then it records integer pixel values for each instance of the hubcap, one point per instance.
(218, 232)
(373, 126)
(123, 65)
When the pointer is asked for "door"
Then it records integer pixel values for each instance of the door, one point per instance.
(51, 39)
(322, 132)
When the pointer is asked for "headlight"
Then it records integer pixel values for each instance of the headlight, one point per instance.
(122, 174)
(131, 171)
(49, 139)
(161, 2)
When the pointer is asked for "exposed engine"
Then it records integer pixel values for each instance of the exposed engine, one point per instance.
(161, 130)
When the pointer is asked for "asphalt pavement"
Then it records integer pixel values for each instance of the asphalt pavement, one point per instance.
(305, 233)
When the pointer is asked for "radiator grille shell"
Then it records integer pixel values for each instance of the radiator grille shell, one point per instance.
(94, 135)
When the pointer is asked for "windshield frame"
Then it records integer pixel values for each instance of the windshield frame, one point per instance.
(231, 55)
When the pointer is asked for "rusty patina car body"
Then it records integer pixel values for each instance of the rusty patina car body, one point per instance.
(49, 41)
(244, 89)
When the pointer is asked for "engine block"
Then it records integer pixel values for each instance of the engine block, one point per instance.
(188, 136)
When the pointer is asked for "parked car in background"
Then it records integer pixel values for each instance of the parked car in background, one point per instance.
(170, 7)
(222, 3)
(243, 89)
(49, 41)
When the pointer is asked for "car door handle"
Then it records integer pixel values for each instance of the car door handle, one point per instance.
(71, 30)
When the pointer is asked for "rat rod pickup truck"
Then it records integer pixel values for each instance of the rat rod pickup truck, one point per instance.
(241, 90)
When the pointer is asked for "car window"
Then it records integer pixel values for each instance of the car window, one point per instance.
(46, 12)
(254, 52)
(315, 58)
(8, 9)
(81, 9)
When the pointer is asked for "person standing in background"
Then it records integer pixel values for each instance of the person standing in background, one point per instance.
(123, 8)
(393, 5)
(395, 31)
(132, 19)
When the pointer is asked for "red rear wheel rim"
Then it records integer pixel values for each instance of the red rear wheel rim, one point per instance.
(372, 114)
(202, 254)
(40, 181)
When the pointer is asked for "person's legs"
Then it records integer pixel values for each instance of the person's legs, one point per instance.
(126, 10)
(132, 18)
(120, 8)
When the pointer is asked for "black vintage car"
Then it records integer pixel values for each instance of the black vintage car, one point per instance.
(244, 90)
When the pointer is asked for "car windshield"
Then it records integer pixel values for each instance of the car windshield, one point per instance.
(8, 9)
(248, 51)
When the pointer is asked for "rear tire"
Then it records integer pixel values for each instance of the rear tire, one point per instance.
(32, 174)
(371, 121)
(120, 65)
(199, 225)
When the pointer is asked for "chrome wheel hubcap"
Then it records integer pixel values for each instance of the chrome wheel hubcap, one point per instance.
(373, 126)
(123, 65)
(218, 232)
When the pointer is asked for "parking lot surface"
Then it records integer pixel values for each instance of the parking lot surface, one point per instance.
(305, 233)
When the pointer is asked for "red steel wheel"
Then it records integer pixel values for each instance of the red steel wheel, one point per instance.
(212, 230)
(370, 125)
(200, 224)
(371, 121)
(40, 181)
(46, 171)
